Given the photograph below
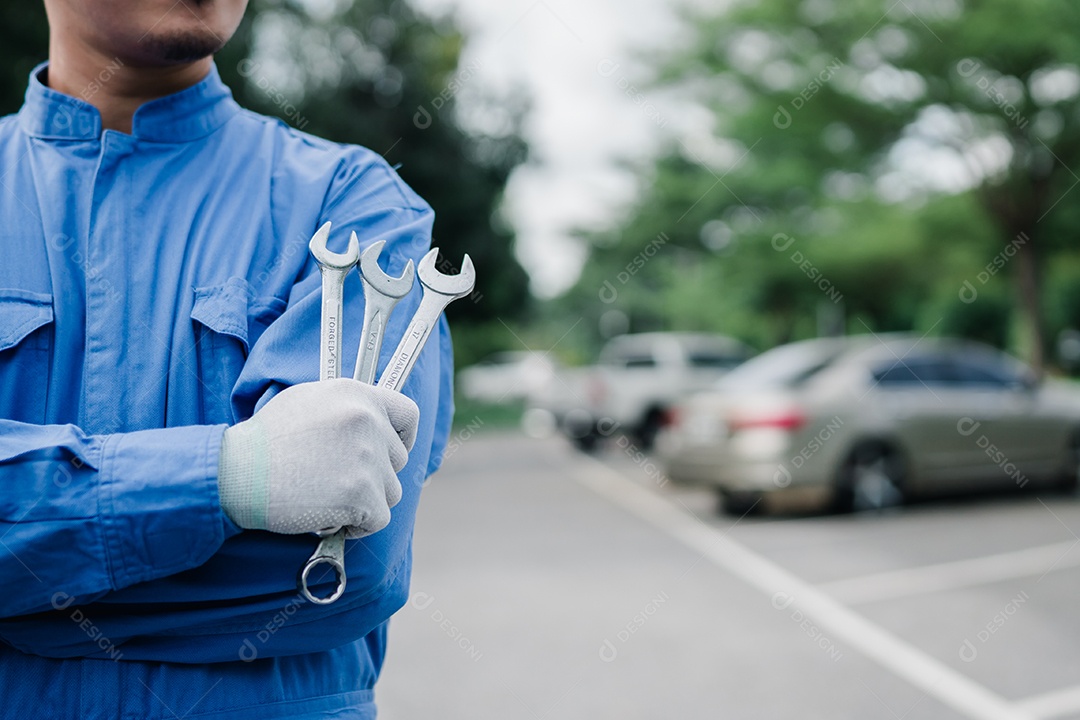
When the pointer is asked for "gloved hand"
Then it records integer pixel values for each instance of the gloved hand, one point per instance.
(318, 455)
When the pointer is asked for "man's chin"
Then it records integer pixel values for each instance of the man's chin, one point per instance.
(179, 48)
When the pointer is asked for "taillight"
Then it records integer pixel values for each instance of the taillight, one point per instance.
(597, 390)
(671, 417)
(789, 420)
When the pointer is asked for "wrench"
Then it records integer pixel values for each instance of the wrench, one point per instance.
(381, 293)
(439, 291)
(333, 267)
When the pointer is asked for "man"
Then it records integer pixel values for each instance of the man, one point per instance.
(164, 458)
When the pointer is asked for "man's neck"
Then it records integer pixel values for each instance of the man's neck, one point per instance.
(113, 87)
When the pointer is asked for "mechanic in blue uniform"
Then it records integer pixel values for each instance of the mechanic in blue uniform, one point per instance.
(164, 456)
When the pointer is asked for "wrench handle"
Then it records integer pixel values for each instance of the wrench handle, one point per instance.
(394, 376)
(330, 328)
(331, 549)
(370, 344)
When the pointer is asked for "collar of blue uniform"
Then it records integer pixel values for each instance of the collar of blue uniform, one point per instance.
(181, 117)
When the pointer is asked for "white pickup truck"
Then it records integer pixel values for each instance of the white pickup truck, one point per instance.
(637, 378)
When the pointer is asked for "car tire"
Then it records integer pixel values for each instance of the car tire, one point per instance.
(649, 428)
(1070, 477)
(586, 443)
(871, 479)
(739, 504)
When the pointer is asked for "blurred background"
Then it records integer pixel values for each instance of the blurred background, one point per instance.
(766, 396)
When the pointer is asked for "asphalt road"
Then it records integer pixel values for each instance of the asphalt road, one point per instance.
(549, 585)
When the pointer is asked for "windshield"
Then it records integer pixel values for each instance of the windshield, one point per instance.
(785, 366)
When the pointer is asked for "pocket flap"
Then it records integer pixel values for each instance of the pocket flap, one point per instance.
(21, 313)
(224, 308)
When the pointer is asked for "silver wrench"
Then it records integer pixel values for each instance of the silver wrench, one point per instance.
(333, 267)
(439, 291)
(381, 293)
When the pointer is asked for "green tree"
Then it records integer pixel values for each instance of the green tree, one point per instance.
(379, 74)
(847, 126)
(24, 42)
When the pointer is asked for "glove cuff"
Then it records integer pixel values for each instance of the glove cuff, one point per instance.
(244, 474)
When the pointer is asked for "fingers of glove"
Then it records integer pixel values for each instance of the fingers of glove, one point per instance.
(377, 517)
(393, 491)
(403, 414)
(347, 395)
(377, 514)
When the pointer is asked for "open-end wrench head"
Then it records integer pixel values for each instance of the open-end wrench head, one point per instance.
(395, 287)
(453, 286)
(327, 259)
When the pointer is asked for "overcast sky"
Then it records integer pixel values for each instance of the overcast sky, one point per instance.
(578, 61)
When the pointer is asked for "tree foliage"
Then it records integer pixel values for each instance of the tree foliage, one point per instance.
(905, 149)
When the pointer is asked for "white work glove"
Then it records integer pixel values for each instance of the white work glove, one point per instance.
(317, 456)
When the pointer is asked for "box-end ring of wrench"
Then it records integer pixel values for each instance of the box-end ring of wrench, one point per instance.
(381, 293)
(333, 267)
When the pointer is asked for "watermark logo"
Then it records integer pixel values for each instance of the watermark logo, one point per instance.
(249, 651)
(423, 118)
(969, 651)
(422, 601)
(783, 119)
(62, 601)
(608, 68)
(969, 68)
(609, 292)
(781, 242)
(968, 292)
(968, 426)
(781, 601)
(609, 651)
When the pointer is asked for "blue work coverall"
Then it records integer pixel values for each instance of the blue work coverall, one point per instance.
(155, 288)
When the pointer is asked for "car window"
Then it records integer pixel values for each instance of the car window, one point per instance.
(784, 366)
(714, 360)
(985, 371)
(913, 371)
(637, 361)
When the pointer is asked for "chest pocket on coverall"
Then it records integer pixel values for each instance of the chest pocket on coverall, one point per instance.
(26, 337)
(228, 320)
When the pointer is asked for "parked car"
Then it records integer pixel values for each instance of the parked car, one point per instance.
(866, 421)
(506, 377)
(637, 378)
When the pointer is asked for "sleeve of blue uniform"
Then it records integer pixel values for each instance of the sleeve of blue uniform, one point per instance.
(84, 514)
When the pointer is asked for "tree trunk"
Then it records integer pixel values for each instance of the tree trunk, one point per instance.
(1027, 285)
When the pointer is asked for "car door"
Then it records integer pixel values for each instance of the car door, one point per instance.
(1022, 440)
(935, 418)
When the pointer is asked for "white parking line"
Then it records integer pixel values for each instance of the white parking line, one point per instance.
(916, 667)
(1052, 704)
(954, 575)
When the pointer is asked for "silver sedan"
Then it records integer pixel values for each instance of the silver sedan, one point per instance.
(863, 422)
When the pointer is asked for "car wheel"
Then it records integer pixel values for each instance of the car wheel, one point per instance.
(872, 479)
(647, 431)
(586, 443)
(1070, 478)
(740, 504)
